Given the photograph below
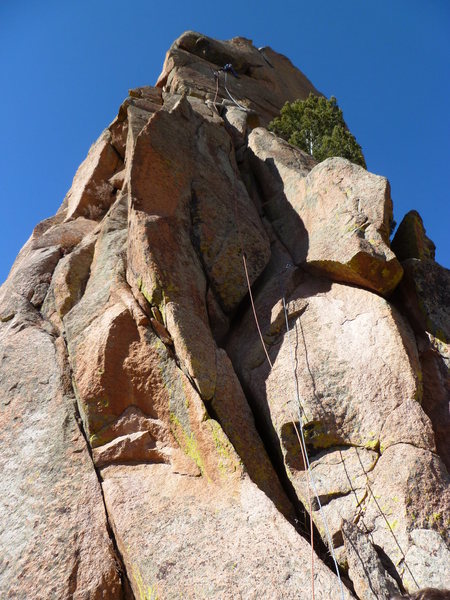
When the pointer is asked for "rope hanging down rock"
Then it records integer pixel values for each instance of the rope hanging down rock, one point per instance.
(231, 97)
(301, 439)
(300, 436)
(304, 451)
(224, 70)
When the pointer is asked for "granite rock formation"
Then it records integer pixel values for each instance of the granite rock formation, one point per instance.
(149, 444)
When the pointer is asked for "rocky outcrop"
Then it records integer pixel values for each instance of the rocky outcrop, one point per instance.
(54, 530)
(411, 241)
(424, 297)
(149, 445)
(183, 536)
(266, 79)
(351, 360)
(92, 192)
(369, 577)
(335, 215)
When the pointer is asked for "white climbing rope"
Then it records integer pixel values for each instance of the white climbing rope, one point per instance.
(230, 96)
(308, 464)
(301, 438)
(217, 91)
(302, 446)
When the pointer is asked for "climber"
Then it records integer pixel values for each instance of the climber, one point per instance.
(228, 68)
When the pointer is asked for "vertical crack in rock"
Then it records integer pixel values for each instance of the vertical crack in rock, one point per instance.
(302, 517)
(126, 586)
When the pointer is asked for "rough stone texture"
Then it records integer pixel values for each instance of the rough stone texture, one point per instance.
(410, 239)
(134, 114)
(91, 193)
(336, 218)
(53, 534)
(435, 361)
(182, 537)
(369, 577)
(266, 79)
(69, 281)
(424, 296)
(409, 491)
(348, 389)
(113, 324)
(183, 229)
(429, 549)
(351, 394)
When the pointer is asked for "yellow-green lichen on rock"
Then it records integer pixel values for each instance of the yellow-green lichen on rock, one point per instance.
(228, 460)
(187, 442)
(141, 588)
(317, 436)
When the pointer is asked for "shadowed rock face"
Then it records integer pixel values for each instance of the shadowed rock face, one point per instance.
(148, 447)
(424, 296)
(411, 241)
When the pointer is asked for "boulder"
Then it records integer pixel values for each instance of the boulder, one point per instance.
(355, 402)
(339, 374)
(334, 216)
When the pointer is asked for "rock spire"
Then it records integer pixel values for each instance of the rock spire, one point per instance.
(148, 449)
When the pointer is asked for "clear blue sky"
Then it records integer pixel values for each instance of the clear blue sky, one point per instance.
(67, 65)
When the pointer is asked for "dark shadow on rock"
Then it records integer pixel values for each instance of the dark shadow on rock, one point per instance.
(436, 395)
(281, 279)
(423, 298)
(285, 221)
(389, 566)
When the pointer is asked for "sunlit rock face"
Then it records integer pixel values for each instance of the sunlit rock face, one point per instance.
(149, 445)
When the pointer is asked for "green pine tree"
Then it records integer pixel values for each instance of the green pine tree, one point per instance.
(317, 126)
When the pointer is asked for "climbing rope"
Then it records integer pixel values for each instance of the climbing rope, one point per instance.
(216, 75)
(303, 445)
(235, 102)
(301, 409)
(385, 519)
(230, 96)
(300, 436)
(311, 484)
(254, 309)
(291, 416)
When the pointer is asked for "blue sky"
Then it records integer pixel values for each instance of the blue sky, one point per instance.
(66, 67)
